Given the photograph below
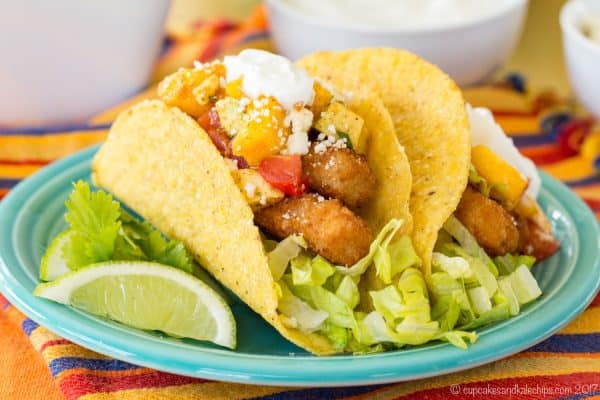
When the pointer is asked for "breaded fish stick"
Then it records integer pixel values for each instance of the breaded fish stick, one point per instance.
(329, 228)
(494, 228)
(341, 174)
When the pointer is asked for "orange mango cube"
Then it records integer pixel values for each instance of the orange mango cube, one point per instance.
(234, 89)
(506, 182)
(265, 134)
(322, 99)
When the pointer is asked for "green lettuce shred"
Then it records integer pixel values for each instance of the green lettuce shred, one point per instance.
(510, 262)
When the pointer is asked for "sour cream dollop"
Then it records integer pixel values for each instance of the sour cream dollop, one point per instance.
(268, 74)
(400, 14)
(485, 131)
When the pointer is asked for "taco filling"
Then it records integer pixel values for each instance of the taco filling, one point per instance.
(295, 150)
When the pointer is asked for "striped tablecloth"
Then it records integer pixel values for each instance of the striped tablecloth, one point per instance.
(547, 128)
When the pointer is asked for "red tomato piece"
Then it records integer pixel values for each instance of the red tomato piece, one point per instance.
(212, 125)
(284, 173)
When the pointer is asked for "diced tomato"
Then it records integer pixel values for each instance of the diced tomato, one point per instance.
(210, 122)
(284, 173)
(212, 125)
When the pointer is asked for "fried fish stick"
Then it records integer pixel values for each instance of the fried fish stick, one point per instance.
(330, 229)
(341, 174)
(494, 228)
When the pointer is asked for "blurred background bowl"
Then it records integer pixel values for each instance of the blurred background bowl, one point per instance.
(582, 56)
(65, 60)
(469, 52)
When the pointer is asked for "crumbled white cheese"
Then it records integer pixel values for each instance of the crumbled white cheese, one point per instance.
(326, 141)
(301, 121)
(320, 147)
(297, 143)
(485, 131)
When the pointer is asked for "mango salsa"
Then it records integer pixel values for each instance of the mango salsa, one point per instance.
(322, 99)
(338, 118)
(234, 89)
(506, 183)
(190, 89)
(266, 133)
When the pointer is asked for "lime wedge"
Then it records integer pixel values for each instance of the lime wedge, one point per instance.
(147, 296)
(53, 265)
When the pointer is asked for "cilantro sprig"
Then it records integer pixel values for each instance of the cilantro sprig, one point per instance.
(102, 231)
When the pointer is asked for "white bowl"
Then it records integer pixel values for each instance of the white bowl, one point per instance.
(582, 57)
(468, 52)
(65, 60)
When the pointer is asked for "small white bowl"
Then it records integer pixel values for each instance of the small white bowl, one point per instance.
(468, 52)
(65, 60)
(582, 56)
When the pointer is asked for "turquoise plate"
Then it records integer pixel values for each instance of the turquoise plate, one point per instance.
(32, 214)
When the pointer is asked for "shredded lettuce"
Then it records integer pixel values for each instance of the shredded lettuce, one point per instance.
(479, 181)
(468, 242)
(388, 303)
(398, 256)
(478, 268)
(307, 271)
(505, 288)
(458, 338)
(499, 312)
(103, 231)
(347, 291)
(479, 299)
(509, 262)
(322, 299)
(385, 236)
(300, 314)
(337, 335)
(524, 285)
(457, 267)
(283, 253)
(464, 292)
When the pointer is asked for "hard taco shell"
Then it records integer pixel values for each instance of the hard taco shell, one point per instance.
(430, 120)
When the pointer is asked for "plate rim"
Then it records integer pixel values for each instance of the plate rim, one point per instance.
(216, 364)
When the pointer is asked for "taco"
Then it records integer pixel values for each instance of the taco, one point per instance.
(461, 161)
(477, 225)
(292, 193)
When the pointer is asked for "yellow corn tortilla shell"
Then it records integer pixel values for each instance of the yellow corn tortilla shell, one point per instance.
(163, 165)
(160, 162)
(430, 120)
(388, 161)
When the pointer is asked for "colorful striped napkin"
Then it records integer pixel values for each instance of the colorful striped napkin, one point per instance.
(546, 128)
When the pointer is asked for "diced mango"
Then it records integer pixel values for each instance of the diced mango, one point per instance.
(322, 99)
(234, 89)
(265, 134)
(507, 184)
(338, 118)
(257, 191)
(191, 90)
